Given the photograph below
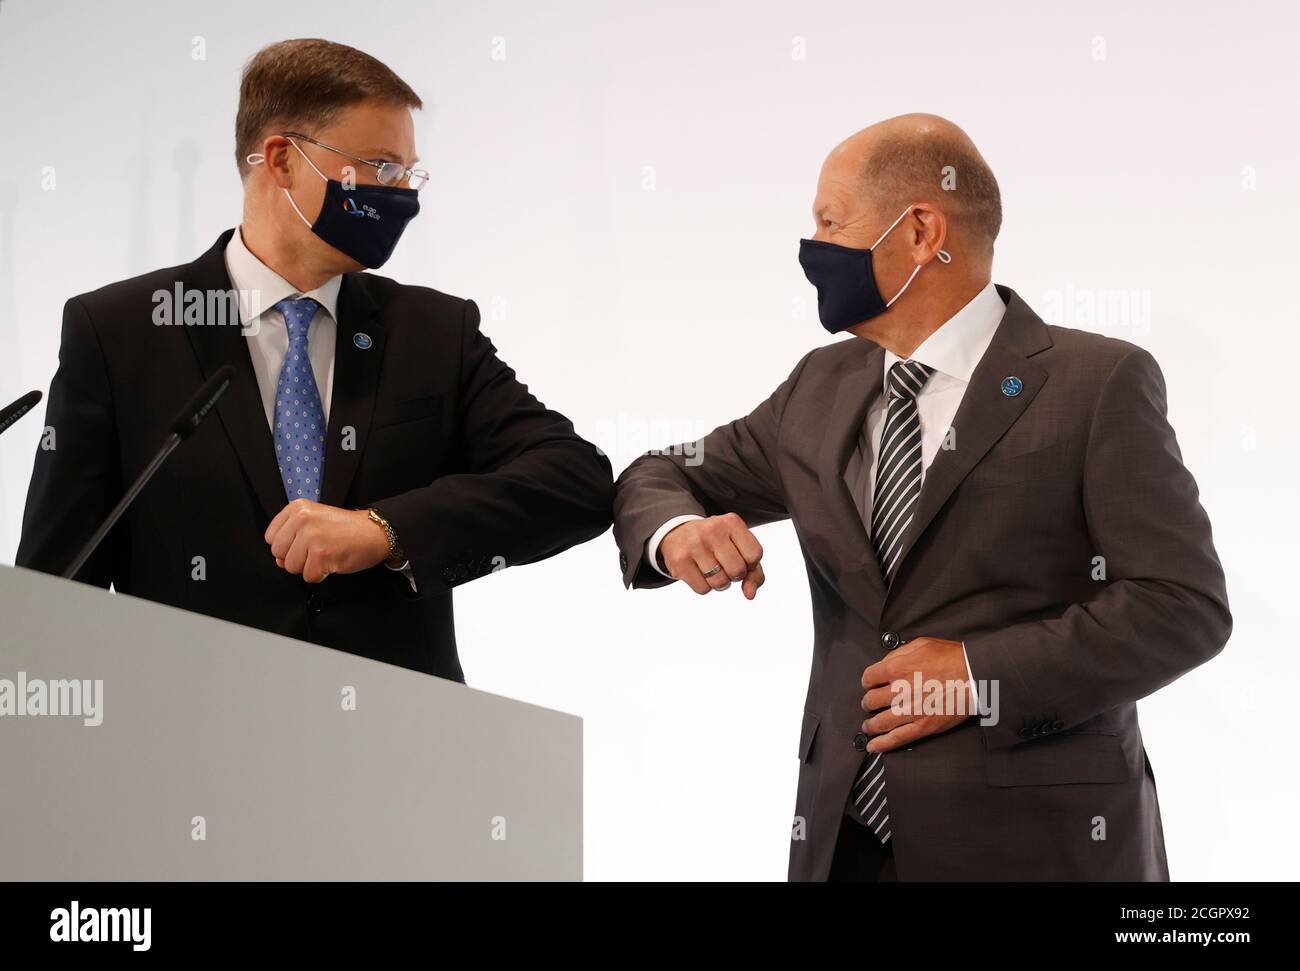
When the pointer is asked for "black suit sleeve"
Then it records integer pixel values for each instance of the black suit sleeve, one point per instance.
(532, 488)
(77, 476)
(1164, 607)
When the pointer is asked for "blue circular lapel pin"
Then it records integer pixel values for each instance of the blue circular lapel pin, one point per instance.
(363, 341)
(1012, 386)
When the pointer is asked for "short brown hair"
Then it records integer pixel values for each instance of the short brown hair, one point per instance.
(306, 83)
(907, 168)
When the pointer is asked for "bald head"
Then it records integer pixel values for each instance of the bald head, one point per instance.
(915, 192)
(923, 158)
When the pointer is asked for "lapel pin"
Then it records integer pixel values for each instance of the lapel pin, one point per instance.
(363, 341)
(1012, 386)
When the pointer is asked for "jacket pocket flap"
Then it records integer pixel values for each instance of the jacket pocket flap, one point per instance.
(1071, 757)
(808, 735)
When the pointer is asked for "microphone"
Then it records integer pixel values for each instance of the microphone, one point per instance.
(11, 413)
(181, 428)
(197, 408)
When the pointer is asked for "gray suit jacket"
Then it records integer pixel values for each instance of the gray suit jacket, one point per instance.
(1002, 554)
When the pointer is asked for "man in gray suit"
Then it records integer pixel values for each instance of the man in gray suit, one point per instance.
(1004, 549)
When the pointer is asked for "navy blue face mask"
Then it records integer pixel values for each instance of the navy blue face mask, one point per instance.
(364, 222)
(847, 293)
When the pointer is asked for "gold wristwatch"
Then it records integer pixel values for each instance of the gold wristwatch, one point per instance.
(396, 555)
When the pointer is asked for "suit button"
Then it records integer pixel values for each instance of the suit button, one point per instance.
(889, 640)
(1057, 725)
(1024, 732)
(860, 742)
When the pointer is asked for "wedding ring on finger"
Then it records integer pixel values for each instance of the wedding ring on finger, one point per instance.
(713, 572)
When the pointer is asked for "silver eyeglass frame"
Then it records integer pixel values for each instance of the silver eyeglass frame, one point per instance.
(418, 178)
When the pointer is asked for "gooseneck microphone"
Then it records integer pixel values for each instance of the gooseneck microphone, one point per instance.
(184, 425)
(11, 413)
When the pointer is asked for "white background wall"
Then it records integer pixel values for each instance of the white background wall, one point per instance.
(623, 193)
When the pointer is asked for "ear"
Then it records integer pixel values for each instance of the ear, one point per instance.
(278, 160)
(927, 231)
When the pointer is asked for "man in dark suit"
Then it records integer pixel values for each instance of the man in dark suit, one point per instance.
(372, 451)
(990, 509)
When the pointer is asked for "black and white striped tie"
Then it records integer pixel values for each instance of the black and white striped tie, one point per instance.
(898, 486)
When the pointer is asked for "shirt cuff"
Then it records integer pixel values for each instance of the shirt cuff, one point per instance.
(652, 545)
(406, 571)
(970, 680)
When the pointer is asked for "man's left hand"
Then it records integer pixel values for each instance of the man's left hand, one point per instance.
(316, 540)
(941, 665)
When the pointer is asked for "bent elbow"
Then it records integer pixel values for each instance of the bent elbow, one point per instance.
(1213, 626)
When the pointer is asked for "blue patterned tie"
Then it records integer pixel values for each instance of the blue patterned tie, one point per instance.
(299, 417)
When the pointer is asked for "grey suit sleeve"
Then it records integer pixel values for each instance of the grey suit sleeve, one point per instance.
(1163, 607)
(732, 469)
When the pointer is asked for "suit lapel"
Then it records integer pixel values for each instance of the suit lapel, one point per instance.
(858, 386)
(986, 412)
(358, 353)
(240, 409)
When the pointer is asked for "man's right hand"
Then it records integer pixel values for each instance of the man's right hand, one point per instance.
(691, 550)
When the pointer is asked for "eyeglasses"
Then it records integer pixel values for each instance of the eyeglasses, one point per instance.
(387, 173)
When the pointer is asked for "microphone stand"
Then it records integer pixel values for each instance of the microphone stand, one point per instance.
(168, 446)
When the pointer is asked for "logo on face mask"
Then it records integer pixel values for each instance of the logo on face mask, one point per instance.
(352, 209)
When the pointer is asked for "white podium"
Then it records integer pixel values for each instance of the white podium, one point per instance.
(225, 753)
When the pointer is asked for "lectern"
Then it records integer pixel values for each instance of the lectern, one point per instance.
(142, 742)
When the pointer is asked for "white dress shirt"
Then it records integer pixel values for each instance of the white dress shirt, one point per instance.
(953, 351)
(259, 288)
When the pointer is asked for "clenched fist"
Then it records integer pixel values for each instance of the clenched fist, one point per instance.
(316, 540)
(691, 552)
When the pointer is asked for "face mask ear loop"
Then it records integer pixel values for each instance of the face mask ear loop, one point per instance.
(891, 227)
(308, 158)
(942, 254)
(257, 158)
(305, 220)
(915, 271)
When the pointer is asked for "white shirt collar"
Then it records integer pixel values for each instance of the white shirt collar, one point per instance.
(260, 288)
(959, 343)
